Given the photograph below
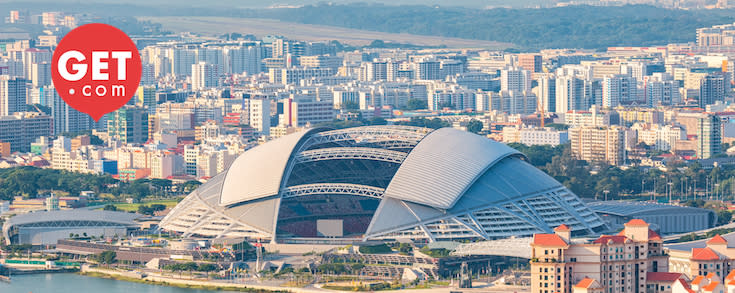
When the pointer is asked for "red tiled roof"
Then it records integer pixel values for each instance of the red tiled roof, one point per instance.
(636, 222)
(662, 276)
(548, 240)
(704, 254)
(717, 240)
(604, 239)
(697, 280)
(585, 283)
(711, 287)
(684, 284)
(562, 227)
(710, 276)
(652, 235)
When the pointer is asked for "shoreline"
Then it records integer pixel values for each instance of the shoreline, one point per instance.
(181, 283)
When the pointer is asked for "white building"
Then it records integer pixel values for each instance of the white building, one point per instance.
(205, 75)
(515, 80)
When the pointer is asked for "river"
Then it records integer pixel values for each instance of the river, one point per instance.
(73, 283)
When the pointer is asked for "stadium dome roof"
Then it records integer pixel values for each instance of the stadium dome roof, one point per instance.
(380, 182)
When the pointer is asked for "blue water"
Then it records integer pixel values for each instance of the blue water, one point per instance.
(73, 283)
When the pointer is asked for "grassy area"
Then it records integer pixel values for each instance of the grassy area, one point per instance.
(170, 203)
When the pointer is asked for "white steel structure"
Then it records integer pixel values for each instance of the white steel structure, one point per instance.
(381, 183)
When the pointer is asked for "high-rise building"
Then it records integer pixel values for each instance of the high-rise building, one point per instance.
(147, 98)
(661, 89)
(148, 76)
(34, 56)
(205, 75)
(66, 118)
(515, 80)
(128, 125)
(375, 70)
(619, 89)
(22, 128)
(243, 59)
(260, 115)
(547, 94)
(621, 263)
(570, 94)
(41, 74)
(182, 60)
(598, 144)
(12, 95)
(530, 62)
(709, 136)
(711, 89)
(428, 70)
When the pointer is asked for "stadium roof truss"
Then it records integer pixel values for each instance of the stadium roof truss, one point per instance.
(430, 184)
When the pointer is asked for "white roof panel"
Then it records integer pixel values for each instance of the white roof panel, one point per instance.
(443, 165)
(257, 172)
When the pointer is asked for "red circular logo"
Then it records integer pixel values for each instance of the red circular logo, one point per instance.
(96, 69)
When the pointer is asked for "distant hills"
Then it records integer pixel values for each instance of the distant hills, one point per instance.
(562, 27)
(593, 27)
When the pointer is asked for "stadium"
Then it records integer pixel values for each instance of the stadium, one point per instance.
(380, 183)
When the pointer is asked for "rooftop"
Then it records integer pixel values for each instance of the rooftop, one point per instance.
(704, 254)
(633, 208)
(548, 240)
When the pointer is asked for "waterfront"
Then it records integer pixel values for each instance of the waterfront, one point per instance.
(74, 283)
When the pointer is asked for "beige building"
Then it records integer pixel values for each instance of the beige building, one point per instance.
(598, 144)
(716, 258)
(614, 263)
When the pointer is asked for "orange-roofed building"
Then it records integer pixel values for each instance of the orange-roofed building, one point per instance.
(587, 285)
(617, 263)
(714, 287)
(715, 258)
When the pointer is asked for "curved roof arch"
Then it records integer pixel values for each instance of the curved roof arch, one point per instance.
(443, 166)
(258, 172)
(118, 218)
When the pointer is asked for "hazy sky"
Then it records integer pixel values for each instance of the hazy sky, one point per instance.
(266, 3)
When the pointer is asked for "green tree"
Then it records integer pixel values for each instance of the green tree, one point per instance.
(474, 126)
(109, 207)
(106, 257)
(724, 217)
(416, 104)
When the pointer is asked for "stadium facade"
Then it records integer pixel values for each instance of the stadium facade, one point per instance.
(47, 227)
(380, 183)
